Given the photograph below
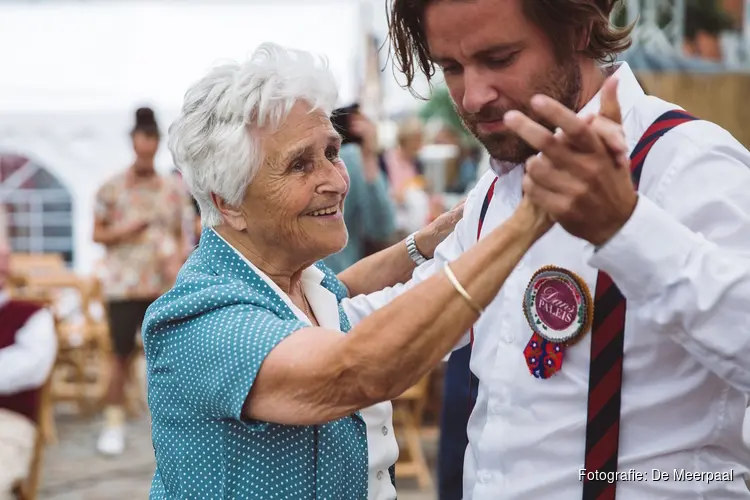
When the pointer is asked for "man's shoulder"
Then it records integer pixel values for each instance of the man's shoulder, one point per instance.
(698, 133)
(686, 143)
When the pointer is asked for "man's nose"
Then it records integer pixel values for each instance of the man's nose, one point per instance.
(478, 91)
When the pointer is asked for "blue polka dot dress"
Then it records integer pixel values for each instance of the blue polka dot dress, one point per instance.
(205, 341)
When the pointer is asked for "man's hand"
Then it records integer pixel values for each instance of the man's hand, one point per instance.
(429, 237)
(579, 179)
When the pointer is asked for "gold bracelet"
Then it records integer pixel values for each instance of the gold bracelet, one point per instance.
(461, 290)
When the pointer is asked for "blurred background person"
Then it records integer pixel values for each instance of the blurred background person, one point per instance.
(3, 224)
(191, 217)
(369, 213)
(704, 24)
(139, 217)
(461, 171)
(401, 163)
(408, 186)
(28, 346)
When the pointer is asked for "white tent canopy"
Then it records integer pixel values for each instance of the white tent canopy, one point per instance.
(72, 74)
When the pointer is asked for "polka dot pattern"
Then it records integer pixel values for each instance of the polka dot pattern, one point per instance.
(205, 341)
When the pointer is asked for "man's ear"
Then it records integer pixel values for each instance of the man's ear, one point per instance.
(232, 214)
(583, 36)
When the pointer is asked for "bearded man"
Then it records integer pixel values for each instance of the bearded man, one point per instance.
(613, 361)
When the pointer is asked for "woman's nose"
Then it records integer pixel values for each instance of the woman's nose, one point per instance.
(336, 179)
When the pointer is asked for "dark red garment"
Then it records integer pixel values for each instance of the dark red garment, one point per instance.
(13, 316)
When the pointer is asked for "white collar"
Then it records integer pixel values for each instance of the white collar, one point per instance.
(628, 92)
(322, 301)
(4, 298)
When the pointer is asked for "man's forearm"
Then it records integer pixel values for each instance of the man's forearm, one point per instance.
(380, 270)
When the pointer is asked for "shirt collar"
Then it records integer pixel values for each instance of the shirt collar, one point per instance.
(4, 298)
(628, 92)
(312, 277)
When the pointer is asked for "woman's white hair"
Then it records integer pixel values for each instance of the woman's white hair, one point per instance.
(215, 142)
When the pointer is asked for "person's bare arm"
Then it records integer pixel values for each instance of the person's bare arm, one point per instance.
(106, 235)
(393, 264)
(317, 375)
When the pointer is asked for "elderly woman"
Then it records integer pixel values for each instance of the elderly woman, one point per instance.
(258, 386)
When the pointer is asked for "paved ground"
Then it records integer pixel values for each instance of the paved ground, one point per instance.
(73, 470)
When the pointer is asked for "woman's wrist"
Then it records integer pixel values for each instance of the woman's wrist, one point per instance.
(531, 220)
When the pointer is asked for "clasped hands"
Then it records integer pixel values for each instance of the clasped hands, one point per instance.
(581, 178)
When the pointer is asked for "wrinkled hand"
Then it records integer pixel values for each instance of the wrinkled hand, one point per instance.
(580, 179)
(429, 237)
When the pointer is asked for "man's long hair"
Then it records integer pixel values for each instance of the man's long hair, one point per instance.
(564, 21)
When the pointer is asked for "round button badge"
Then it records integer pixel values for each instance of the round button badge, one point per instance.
(558, 305)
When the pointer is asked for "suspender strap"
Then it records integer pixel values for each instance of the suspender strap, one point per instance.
(485, 206)
(482, 214)
(607, 341)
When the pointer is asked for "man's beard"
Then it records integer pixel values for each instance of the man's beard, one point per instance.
(562, 84)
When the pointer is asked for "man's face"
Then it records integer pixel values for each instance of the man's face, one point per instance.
(494, 60)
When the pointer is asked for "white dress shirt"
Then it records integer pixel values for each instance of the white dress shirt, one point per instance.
(382, 448)
(682, 261)
(26, 363)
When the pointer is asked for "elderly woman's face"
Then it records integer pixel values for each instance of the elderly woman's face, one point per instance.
(296, 201)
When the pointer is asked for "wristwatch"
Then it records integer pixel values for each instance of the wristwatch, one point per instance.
(414, 254)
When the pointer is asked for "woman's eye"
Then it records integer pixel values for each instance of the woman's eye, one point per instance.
(332, 154)
(301, 166)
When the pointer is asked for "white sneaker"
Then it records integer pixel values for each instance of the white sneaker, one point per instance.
(111, 441)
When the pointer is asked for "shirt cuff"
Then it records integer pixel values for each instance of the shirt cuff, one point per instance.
(648, 254)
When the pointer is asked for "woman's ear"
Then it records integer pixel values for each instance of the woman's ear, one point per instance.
(231, 214)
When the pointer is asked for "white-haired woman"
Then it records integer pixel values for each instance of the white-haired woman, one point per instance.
(255, 391)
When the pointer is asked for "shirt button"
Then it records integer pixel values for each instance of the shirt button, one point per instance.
(496, 408)
(385, 430)
(509, 338)
(485, 477)
(380, 475)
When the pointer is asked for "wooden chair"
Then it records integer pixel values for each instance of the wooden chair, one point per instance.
(27, 488)
(81, 371)
(36, 263)
(408, 410)
(84, 338)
